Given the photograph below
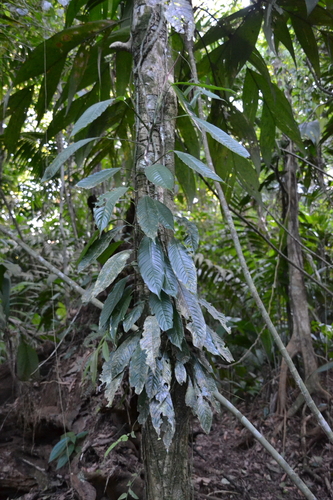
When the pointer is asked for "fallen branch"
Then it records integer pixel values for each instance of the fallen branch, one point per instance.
(263, 441)
(50, 266)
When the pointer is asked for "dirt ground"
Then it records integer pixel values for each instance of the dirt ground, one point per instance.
(226, 464)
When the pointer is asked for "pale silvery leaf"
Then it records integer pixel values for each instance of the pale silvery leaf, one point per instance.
(151, 340)
(138, 370)
(180, 373)
(110, 271)
(122, 355)
(215, 314)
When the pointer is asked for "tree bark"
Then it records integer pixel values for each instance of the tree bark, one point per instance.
(301, 340)
(166, 472)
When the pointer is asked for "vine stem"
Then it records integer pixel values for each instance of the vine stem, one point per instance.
(252, 287)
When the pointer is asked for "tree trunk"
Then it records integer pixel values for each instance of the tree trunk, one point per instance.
(301, 340)
(166, 472)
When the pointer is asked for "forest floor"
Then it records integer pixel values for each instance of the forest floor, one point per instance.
(226, 464)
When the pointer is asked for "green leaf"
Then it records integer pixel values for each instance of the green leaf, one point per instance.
(102, 214)
(279, 108)
(26, 361)
(307, 40)
(203, 85)
(59, 449)
(65, 458)
(122, 439)
(267, 134)
(112, 300)
(50, 51)
(13, 130)
(148, 216)
(163, 310)
(132, 494)
(160, 176)
(97, 178)
(90, 115)
(222, 137)
(164, 215)
(52, 169)
(122, 355)
(120, 315)
(133, 316)
(250, 98)
(176, 334)
(79, 67)
(198, 166)
(138, 370)
(207, 93)
(248, 178)
(110, 271)
(151, 264)
(192, 237)
(97, 248)
(151, 341)
(170, 283)
(182, 265)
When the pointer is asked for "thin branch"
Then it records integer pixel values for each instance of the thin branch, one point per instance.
(263, 441)
(307, 161)
(247, 275)
(50, 266)
(248, 223)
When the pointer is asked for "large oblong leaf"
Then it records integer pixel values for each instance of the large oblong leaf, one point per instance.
(147, 216)
(163, 310)
(110, 271)
(138, 370)
(198, 166)
(56, 47)
(151, 341)
(151, 264)
(160, 176)
(164, 215)
(112, 300)
(96, 249)
(26, 361)
(102, 214)
(122, 356)
(182, 265)
(198, 325)
(96, 178)
(52, 169)
(222, 137)
(90, 115)
(133, 316)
